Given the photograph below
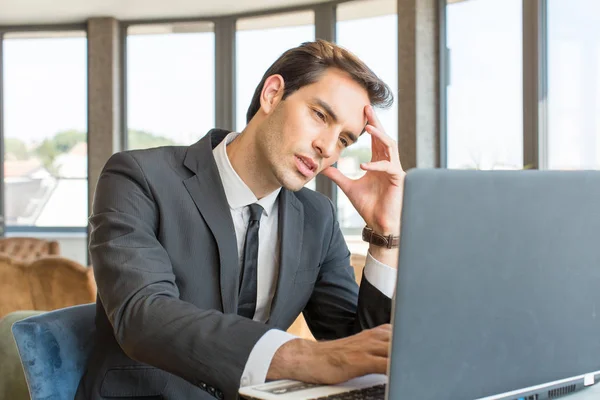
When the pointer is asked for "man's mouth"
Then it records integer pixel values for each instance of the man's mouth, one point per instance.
(306, 166)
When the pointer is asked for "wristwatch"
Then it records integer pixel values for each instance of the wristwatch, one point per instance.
(370, 236)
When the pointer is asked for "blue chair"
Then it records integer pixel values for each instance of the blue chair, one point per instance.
(54, 348)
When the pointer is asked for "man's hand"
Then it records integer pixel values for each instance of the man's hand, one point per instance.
(377, 196)
(335, 361)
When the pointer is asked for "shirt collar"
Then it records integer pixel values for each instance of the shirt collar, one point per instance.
(237, 192)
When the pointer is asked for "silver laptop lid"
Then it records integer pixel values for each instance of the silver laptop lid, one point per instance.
(499, 282)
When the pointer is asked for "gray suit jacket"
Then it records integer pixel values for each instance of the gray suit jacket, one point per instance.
(165, 260)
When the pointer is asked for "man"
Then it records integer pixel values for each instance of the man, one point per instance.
(204, 255)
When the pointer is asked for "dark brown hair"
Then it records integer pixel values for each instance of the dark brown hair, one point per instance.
(304, 65)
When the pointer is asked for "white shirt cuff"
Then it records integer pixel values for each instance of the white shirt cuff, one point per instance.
(257, 366)
(380, 275)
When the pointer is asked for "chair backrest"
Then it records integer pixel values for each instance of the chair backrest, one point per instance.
(12, 379)
(48, 283)
(58, 282)
(15, 293)
(54, 348)
(27, 249)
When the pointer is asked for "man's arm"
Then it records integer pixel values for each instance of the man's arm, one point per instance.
(332, 311)
(335, 361)
(136, 285)
(338, 309)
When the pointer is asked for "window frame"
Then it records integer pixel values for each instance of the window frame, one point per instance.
(225, 86)
(225, 63)
(13, 230)
(535, 83)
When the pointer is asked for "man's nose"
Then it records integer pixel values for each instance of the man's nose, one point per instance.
(326, 144)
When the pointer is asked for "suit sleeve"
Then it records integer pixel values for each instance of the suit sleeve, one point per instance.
(338, 307)
(136, 285)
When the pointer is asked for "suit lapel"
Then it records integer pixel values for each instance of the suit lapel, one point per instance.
(291, 226)
(206, 189)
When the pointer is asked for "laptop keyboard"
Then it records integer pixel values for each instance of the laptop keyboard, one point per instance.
(370, 393)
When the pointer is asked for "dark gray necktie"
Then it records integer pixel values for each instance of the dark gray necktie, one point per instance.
(248, 275)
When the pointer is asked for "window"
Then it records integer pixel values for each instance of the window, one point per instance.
(170, 84)
(253, 57)
(360, 24)
(573, 84)
(45, 129)
(485, 92)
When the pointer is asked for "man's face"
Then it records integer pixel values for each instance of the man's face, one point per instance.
(306, 132)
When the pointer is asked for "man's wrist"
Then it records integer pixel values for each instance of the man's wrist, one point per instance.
(374, 237)
(393, 229)
(384, 255)
(292, 360)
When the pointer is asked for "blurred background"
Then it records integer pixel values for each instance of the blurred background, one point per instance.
(479, 84)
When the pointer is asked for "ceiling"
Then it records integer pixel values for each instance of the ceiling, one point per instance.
(28, 12)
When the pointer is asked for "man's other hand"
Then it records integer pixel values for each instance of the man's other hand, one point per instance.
(335, 361)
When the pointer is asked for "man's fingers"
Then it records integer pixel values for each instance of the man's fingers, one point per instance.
(379, 341)
(379, 328)
(383, 146)
(381, 349)
(378, 364)
(394, 170)
(383, 335)
(382, 140)
(375, 129)
(340, 179)
(387, 327)
(380, 135)
(381, 166)
(388, 147)
(372, 117)
(381, 365)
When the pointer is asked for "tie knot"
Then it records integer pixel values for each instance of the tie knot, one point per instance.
(255, 212)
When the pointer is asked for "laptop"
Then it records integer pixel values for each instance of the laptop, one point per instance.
(498, 291)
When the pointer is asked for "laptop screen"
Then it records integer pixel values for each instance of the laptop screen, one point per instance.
(498, 282)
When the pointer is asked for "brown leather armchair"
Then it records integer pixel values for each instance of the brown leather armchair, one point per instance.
(45, 284)
(27, 249)
(15, 292)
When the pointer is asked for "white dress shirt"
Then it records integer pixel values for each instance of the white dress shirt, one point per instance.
(239, 196)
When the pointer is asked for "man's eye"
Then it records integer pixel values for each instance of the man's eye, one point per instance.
(345, 143)
(320, 115)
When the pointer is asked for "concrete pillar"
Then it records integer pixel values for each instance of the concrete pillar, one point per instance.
(418, 83)
(104, 96)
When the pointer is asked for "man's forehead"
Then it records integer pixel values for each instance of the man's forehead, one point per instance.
(342, 113)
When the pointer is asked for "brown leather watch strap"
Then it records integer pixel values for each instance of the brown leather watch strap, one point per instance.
(370, 236)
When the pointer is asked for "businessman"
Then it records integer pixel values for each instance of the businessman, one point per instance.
(204, 255)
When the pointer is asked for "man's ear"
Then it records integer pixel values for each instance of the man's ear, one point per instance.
(272, 93)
